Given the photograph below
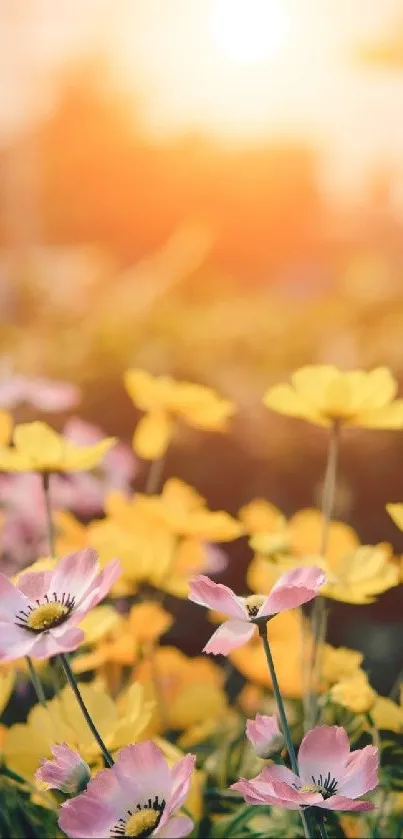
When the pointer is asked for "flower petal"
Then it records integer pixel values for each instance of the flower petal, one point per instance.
(361, 773)
(153, 435)
(181, 775)
(146, 770)
(48, 644)
(340, 802)
(14, 641)
(75, 574)
(35, 584)
(285, 400)
(390, 417)
(216, 596)
(175, 828)
(295, 587)
(324, 749)
(12, 600)
(229, 636)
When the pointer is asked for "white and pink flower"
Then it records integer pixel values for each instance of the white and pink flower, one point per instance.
(44, 394)
(295, 587)
(39, 616)
(330, 776)
(264, 734)
(68, 772)
(138, 796)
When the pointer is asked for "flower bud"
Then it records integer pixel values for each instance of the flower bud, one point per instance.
(264, 734)
(68, 772)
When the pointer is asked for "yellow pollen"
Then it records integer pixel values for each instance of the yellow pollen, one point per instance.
(142, 823)
(46, 616)
(253, 604)
(310, 788)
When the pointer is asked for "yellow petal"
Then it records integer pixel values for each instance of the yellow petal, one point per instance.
(396, 513)
(148, 621)
(259, 516)
(390, 417)
(6, 425)
(285, 400)
(211, 526)
(149, 393)
(75, 458)
(338, 401)
(6, 686)
(153, 435)
(40, 443)
(372, 390)
(99, 622)
(387, 714)
(202, 407)
(312, 381)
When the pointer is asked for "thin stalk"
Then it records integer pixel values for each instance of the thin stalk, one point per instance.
(320, 823)
(49, 518)
(154, 475)
(36, 681)
(91, 725)
(283, 717)
(319, 612)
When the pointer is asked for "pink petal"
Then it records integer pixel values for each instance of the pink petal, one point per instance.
(216, 596)
(15, 642)
(264, 734)
(181, 775)
(102, 585)
(361, 774)
(295, 587)
(11, 600)
(340, 802)
(144, 767)
(175, 828)
(229, 636)
(35, 584)
(275, 772)
(75, 573)
(48, 644)
(51, 396)
(91, 815)
(324, 749)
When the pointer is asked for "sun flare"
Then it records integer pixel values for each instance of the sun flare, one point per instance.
(249, 30)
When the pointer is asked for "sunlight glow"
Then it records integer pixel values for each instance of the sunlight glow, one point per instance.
(249, 30)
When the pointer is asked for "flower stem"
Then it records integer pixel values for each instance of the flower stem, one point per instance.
(49, 519)
(283, 717)
(319, 612)
(320, 823)
(74, 686)
(154, 475)
(36, 681)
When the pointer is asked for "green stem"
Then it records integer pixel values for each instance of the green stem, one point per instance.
(36, 681)
(283, 718)
(319, 612)
(155, 475)
(320, 822)
(74, 686)
(49, 518)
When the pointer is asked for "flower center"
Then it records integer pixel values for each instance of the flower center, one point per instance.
(46, 615)
(141, 824)
(310, 788)
(326, 786)
(253, 604)
(141, 821)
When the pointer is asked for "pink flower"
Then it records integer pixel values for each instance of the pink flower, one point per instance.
(292, 589)
(264, 734)
(40, 393)
(68, 772)
(39, 617)
(331, 776)
(136, 797)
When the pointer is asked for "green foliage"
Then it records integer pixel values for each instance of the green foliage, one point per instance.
(391, 744)
(21, 818)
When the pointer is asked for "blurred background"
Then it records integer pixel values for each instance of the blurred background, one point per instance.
(212, 189)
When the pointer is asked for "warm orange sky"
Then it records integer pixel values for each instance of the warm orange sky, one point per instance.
(168, 50)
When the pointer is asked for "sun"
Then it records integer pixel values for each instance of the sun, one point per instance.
(249, 30)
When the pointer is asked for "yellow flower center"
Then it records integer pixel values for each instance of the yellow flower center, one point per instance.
(310, 788)
(142, 823)
(253, 604)
(46, 616)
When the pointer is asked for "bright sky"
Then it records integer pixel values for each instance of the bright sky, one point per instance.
(187, 58)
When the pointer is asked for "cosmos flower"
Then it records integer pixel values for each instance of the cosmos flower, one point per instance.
(294, 588)
(331, 777)
(138, 796)
(39, 616)
(68, 772)
(39, 448)
(322, 394)
(264, 734)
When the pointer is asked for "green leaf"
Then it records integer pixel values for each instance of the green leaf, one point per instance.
(391, 743)
(20, 818)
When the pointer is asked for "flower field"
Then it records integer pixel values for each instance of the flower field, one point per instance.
(109, 727)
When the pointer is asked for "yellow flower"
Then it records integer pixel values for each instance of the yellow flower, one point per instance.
(355, 573)
(354, 693)
(119, 723)
(38, 448)
(286, 645)
(99, 622)
(165, 400)
(148, 621)
(387, 714)
(322, 394)
(7, 679)
(186, 514)
(6, 425)
(340, 663)
(396, 513)
(72, 534)
(190, 690)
